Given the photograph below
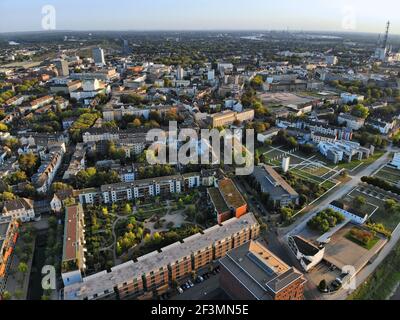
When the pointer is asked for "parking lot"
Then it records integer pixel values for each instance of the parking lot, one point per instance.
(200, 290)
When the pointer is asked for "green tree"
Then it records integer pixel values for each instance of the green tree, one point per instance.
(359, 202)
(3, 127)
(322, 285)
(6, 295)
(127, 209)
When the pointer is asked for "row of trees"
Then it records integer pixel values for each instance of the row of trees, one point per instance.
(325, 220)
(92, 178)
(383, 184)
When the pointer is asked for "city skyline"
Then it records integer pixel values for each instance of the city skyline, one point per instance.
(179, 15)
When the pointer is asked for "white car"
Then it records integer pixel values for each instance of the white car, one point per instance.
(180, 290)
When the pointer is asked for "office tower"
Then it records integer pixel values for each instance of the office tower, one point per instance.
(62, 67)
(98, 56)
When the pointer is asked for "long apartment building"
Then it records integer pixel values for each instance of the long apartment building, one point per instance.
(73, 259)
(157, 271)
(146, 188)
(228, 117)
(8, 238)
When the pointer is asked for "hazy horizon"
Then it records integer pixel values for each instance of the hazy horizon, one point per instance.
(356, 16)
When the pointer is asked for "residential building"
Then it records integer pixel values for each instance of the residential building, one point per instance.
(43, 179)
(384, 127)
(73, 258)
(228, 117)
(318, 137)
(351, 122)
(155, 272)
(40, 102)
(58, 201)
(21, 208)
(281, 194)
(351, 98)
(252, 272)
(267, 135)
(8, 237)
(226, 200)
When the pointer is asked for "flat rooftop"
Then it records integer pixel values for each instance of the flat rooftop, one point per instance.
(70, 232)
(231, 194)
(271, 181)
(284, 99)
(259, 270)
(217, 200)
(100, 282)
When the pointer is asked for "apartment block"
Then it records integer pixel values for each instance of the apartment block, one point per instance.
(73, 259)
(157, 271)
(226, 200)
(8, 238)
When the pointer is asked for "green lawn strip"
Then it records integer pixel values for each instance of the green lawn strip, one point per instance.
(383, 281)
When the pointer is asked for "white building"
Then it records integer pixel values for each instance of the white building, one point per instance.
(180, 73)
(396, 160)
(351, 122)
(351, 97)
(355, 217)
(331, 60)
(21, 208)
(211, 75)
(307, 253)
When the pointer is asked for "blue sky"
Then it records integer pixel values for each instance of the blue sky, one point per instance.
(335, 15)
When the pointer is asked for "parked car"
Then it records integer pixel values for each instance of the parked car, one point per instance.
(180, 290)
(201, 278)
(191, 284)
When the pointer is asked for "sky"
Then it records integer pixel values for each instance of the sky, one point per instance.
(318, 15)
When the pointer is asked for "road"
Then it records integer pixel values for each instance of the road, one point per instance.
(396, 295)
(338, 193)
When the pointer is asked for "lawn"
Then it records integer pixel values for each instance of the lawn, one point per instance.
(391, 175)
(369, 245)
(313, 178)
(380, 285)
(389, 220)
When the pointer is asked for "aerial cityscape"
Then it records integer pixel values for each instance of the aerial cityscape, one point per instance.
(155, 152)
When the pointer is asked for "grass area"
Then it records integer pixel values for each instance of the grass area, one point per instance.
(311, 177)
(380, 285)
(388, 174)
(390, 220)
(367, 246)
(143, 215)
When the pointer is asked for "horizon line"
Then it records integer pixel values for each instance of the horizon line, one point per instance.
(199, 30)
